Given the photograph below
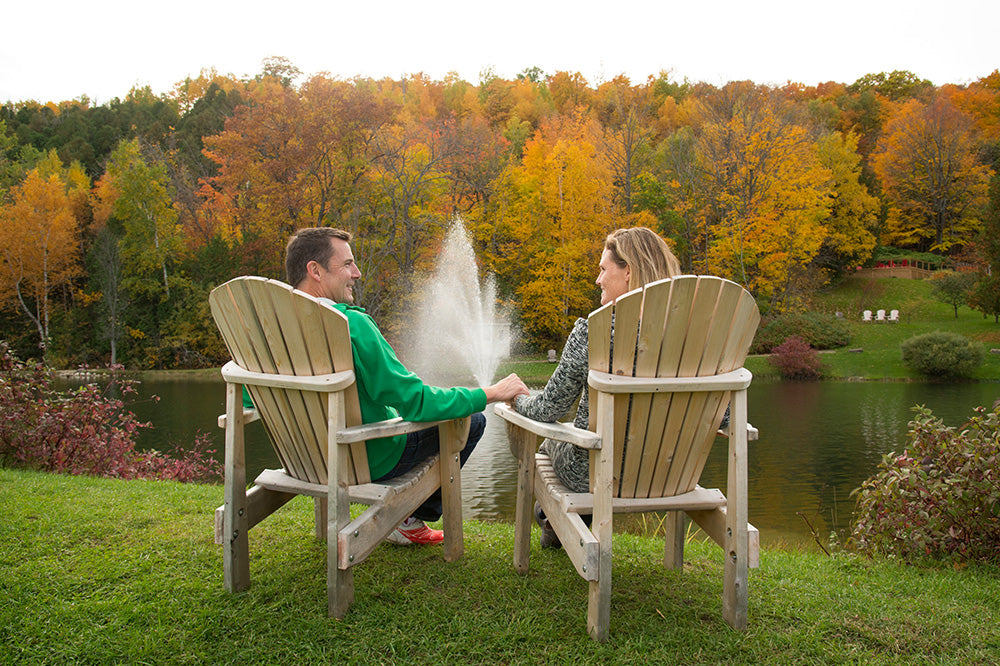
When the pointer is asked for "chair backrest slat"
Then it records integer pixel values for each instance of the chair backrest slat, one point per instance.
(271, 328)
(682, 327)
(626, 334)
(647, 356)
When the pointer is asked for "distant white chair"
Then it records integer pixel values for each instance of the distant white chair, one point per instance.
(880, 316)
(866, 316)
(893, 316)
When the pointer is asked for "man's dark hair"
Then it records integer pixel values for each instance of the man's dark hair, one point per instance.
(311, 244)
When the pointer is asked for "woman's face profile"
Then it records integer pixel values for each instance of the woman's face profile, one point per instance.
(612, 278)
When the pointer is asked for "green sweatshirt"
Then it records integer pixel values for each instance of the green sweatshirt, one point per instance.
(386, 389)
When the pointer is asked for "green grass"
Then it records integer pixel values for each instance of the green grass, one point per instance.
(874, 350)
(534, 370)
(106, 571)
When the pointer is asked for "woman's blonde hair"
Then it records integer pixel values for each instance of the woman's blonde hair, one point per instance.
(645, 253)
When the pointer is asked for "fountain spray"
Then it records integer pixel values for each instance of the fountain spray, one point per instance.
(459, 337)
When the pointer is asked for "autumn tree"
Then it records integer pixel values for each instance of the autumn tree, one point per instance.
(985, 295)
(289, 159)
(763, 194)
(532, 100)
(853, 217)
(495, 98)
(570, 92)
(668, 189)
(928, 164)
(259, 194)
(204, 88)
(409, 176)
(626, 113)
(474, 156)
(150, 237)
(552, 212)
(981, 101)
(38, 247)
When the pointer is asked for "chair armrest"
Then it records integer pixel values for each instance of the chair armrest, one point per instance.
(379, 429)
(752, 433)
(336, 381)
(737, 380)
(563, 432)
(361, 433)
(249, 416)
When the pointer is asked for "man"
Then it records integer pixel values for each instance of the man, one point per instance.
(319, 261)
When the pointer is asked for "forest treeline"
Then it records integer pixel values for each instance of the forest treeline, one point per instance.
(116, 220)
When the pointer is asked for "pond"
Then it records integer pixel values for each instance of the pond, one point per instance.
(818, 442)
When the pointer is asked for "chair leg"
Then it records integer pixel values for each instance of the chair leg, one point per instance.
(602, 481)
(339, 582)
(523, 443)
(735, 573)
(236, 526)
(236, 543)
(673, 550)
(453, 436)
(320, 514)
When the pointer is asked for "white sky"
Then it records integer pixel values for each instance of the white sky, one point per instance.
(62, 49)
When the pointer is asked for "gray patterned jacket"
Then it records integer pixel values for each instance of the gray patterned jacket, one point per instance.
(567, 384)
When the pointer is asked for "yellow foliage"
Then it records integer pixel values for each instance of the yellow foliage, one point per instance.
(38, 249)
(552, 214)
(927, 160)
(764, 195)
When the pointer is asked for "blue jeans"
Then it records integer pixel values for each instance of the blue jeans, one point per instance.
(423, 444)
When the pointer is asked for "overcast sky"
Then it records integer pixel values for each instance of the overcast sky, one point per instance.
(61, 49)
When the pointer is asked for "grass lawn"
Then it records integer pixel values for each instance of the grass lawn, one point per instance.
(879, 343)
(105, 571)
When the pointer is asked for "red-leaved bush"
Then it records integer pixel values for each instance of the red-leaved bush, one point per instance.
(939, 498)
(83, 430)
(795, 359)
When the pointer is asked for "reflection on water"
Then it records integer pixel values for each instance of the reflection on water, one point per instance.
(489, 477)
(818, 442)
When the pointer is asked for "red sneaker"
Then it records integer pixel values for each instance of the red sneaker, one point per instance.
(414, 531)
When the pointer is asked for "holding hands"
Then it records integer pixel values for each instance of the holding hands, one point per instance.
(506, 389)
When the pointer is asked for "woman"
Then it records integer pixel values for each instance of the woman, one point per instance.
(631, 259)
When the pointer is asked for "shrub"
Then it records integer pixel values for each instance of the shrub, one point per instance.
(820, 331)
(795, 359)
(83, 430)
(942, 354)
(939, 498)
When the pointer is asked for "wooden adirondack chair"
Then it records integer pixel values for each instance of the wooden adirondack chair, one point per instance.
(293, 353)
(658, 394)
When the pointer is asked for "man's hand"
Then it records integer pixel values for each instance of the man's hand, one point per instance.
(506, 389)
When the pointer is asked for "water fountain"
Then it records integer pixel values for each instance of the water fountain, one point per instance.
(459, 335)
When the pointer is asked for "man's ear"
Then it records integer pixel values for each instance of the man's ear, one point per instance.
(313, 270)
